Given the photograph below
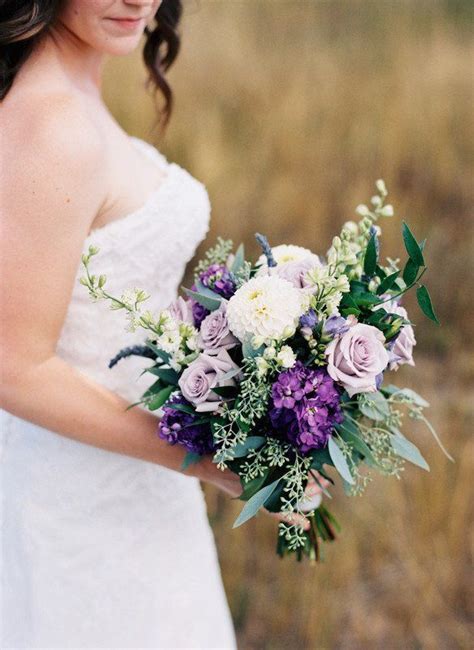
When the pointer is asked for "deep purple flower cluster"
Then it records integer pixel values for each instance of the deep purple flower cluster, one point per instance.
(218, 278)
(182, 428)
(199, 312)
(305, 406)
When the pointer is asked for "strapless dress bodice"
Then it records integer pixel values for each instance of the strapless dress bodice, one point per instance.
(149, 248)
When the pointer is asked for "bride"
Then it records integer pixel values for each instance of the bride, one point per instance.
(105, 541)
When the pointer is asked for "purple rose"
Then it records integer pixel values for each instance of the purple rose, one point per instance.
(181, 310)
(215, 332)
(357, 357)
(202, 376)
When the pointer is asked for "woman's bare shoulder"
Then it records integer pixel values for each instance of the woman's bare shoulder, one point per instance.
(48, 124)
(51, 140)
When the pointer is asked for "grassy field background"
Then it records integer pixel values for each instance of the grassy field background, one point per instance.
(288, 110)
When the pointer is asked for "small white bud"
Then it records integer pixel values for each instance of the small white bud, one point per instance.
(387, 210)
(288, 331)
(362, 210)
(376, 200)
(269, 353)
(257, 342)
(286, 357)
(380, 185)
(351, 227)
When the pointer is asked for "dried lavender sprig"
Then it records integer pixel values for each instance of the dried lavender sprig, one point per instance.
(266, 248)
(137, 350)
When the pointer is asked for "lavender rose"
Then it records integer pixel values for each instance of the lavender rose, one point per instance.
(215, 332)
(296, 271)
(181, 310)
(202, 376)
(401, 351)
(401, 348)
(356, 358)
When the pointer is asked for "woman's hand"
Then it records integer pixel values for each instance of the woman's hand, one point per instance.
(230, 482)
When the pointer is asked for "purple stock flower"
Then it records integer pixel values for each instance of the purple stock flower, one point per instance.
(305, 407)
(218, 278)
(178, 427)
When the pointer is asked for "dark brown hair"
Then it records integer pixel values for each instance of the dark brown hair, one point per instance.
(24, 22)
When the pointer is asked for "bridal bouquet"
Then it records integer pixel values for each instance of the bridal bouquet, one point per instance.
(278, 369)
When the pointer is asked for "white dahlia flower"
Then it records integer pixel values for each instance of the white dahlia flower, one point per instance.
(289, 253)
(267, 307)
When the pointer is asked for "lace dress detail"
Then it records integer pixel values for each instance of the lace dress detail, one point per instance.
(100, 550)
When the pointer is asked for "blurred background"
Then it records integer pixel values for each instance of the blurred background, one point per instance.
(288, 111)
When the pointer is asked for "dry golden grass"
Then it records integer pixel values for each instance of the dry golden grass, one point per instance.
(288, 111)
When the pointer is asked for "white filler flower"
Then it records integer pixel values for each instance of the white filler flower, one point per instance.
(267, 307)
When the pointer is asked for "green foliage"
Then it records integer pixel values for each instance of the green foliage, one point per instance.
(424, 301)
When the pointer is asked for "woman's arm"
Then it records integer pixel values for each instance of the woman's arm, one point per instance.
(51, 187)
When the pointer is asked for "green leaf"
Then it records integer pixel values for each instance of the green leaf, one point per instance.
(168, 375)
(366, 299)
(206, 291)
(238, 260)
(254, 504)
(370, 258)
(185, 408)
(350, 433)
(161, 354)
(208, 302)
(251, 442)
(410, 272)
(425, 303)
(158, 401)
(253, 486)
(388, 283)
(225, 391)
(409, 394)
(339, 461)
(190, 459)
(407, 450)
(374, 406)
(413, 248)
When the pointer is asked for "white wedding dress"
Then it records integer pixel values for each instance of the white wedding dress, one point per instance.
(100, 550)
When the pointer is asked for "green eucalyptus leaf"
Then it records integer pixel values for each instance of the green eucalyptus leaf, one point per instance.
(239, 259)
(251, 442)
(254, 504)
(339, 461)
(413, 248)
(209, 302)
(407, 450)
(374, 406)
(425, 303)
(351, 434)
